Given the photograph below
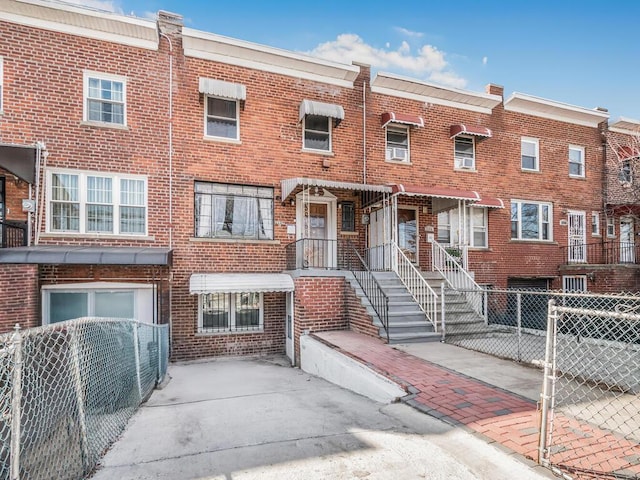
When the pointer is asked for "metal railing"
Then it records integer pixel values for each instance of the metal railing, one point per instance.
(379, 300)
(602, 253)
(308, 253)
(67, 391)
(380, 257)
(453, 271)
(417, 286)
(13, 234)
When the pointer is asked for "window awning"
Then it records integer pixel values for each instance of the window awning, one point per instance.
(220, 88)
(239, 282)
(309, 107)
(464, 129)
(407, 119)
(489, 202)
(437, 192)
(77, 255)
(19, 160)
(290, 184)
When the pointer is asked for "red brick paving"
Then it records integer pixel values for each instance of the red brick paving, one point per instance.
(502, 416)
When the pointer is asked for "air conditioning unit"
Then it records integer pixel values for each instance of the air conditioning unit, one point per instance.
(465, 163)
(396, 153)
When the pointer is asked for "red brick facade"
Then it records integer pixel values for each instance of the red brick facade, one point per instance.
(20, 299)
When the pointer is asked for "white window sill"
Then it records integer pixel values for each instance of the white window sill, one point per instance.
(325, 153)
(578, 177)
(232, 141)
(398, 162)
(529, 170)
(102, 236)
(465, 170)
(234, 240)
(531, 240)
(228, 332)
(116, 126)
(352, 234)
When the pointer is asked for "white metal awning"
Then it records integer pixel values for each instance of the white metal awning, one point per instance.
(309, 107)
(290, 184)
(220, 88)
(239, 282)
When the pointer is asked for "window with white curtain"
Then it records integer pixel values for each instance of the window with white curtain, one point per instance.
(92, 202)
(233, 211)
(467, 227)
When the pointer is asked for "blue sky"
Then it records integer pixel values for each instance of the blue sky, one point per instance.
(583, 53)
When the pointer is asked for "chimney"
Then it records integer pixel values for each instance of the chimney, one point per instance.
(494, 89)
(170, 23)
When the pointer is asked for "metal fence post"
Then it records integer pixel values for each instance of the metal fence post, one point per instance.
(159, 339)
(485, 295)
(136, 349)
(16, 399)
(77, 382)
(545, 397)
(519, 323)
(442, 310)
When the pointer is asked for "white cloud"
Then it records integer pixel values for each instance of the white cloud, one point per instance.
(409, 33)
(150, 15)
(106, 5)
(485, 60)
(428, 62)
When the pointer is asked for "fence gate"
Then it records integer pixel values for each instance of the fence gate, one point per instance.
(590, 419)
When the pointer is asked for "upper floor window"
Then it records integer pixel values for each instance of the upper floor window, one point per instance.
(529, 155)
(221, 118)
(531, 220)
(397, 146)
(625, 174)
(464, 152)
(91, 202)
(233, 211)
(611, 227)
(1, 82)
(474, 231)
(595, 224)
(576, 161)
(105, 98)
(317, 133)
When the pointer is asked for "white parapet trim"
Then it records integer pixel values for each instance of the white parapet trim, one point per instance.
(318, 359)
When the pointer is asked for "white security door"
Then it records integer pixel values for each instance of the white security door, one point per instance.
(577, 237)
(627, 241)
(289, 328)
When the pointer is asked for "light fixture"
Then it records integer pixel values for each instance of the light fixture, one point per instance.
(293, 202)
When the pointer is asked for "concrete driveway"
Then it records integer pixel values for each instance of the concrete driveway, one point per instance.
(261, 419)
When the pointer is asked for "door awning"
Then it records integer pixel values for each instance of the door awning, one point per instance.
(437, 192)
(220, 88)
(289, 185)
(489, 202)
(19, 160)
(78, 255)
(310, 107)
(239, 283)
(465, 129)
(393, 117)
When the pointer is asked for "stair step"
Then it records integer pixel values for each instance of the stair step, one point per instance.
(409, 338)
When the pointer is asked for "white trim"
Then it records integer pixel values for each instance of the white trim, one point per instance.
(67, 19)
(582, 157)
(550, 223)
(541, 107)
(390, 158)
(456, 159)
(208, 46)
(235, 139)
(88, 74)
(536, 142)
(330, 132)
(610, 227)
(428, 99)
(598, 232)
(200, 283)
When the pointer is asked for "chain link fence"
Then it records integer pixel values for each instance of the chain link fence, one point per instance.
(68, 390)
(512, 324)
(590, 406)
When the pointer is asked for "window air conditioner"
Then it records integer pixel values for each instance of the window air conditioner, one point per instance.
(464, 162)
(397, 154)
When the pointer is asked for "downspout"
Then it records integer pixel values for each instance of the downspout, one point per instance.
(605, 185)
(41, 165)
(170, 139)
(364, 133)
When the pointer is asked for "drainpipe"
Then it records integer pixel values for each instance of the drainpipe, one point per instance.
(364, 133)
(170, 139)
(41, 165)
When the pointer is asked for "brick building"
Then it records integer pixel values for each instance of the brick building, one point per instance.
(244, 194)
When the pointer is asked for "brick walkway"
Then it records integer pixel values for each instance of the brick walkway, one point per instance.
(499, 415)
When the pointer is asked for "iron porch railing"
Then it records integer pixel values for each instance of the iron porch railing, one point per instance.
(13, 234)
(602, 253)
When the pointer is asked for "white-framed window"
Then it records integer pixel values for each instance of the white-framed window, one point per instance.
(530, 156)
(611, 227)
(105, 98)
(595, 224)
(317, 133)
(221, 118)
(397, 143)
(225, 210)
(531, 220)
(230, 312)
(625, 175)
(96, 202)
(464, 152)
(1, 83)
(576, 161)
(474, 233)
(574, 283)
(98, 299)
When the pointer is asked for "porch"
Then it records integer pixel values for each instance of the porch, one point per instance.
(602, 253)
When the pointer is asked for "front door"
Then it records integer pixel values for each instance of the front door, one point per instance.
(289, 328)
(627, 241)
(577, 237)
(316, 248)
(408, 233)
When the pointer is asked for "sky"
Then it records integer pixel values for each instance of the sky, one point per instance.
(584, 53)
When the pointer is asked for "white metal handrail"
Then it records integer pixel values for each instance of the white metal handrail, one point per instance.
(420, 290)
(456, 275)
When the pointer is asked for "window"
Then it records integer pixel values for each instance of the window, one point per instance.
(574, 283)
(576, 162)
(625, 175)
(531, 220)
(317, 133)
(233, 211)
(464, 153)
(529, 154)
(611, 227)
(230, 312)
(595, 224)
(348, 216)
(86, 202)
(1, 82)
(397, 143)
(105, 98)
(221, 118)
(474, 233)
